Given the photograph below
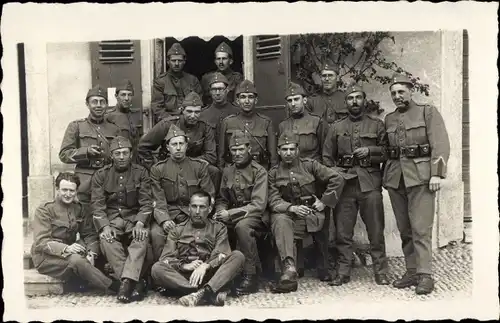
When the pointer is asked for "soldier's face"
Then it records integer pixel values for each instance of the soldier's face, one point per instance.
(240, 153)
(247, 101)
(223, 61)
(355, 103)
(296, 103)
(199, 208)
(177, 147)
(288, 153)
(328, 79)
(97, 106)
(401, 95)
(176, 62)
(218, 90)
(124, 98)
(121, 157)
(66, 191)
(191, 114)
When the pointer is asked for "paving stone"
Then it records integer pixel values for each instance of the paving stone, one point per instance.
(37, 284)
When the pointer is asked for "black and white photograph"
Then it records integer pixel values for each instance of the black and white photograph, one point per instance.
(212, 172)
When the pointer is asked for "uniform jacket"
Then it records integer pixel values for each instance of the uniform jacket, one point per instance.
(213, 115)
(418, 125)
(329, 106)
(130, 123)
(234, 78)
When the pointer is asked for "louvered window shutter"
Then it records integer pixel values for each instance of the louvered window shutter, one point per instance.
(116, 51)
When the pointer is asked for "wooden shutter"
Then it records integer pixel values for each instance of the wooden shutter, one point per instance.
(116, 51)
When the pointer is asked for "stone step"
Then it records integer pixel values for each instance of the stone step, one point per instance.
(36, 284)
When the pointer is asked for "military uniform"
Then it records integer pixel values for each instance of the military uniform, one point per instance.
(173, 183)
(169, 89)
(79, 136)
(419, 148)
(186, 243)
(234, 78)
(295, 184)
(363, 188)
(259, 129)
(55, 227)
(120, 199)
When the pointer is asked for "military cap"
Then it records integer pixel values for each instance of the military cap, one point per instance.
(294, 89)
(400, 78)
(126, 85)
(354, 87)
(97, 91)
(119, 142)
(218, 77)
(192, 100)
(176, 49)
(329, 66)
(245, 86)
(238, 138)
(174, 131)
(224, 48)
(288, 137)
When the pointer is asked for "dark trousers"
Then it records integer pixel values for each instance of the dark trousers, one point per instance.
(242, 238)
(166, 276)
(414, 211)
(371, 210)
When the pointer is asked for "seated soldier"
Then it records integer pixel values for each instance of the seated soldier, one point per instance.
(55, 251)
(295, 209)
(122, 207)
(241, 205)
(173, 182)
(197, 261)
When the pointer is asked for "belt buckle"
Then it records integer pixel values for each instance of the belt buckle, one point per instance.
(348, 160)
(402, 151)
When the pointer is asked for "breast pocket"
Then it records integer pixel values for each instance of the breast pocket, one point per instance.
(416, 133)
(307, 139)
(344, 144)
(368, 139)
(87, 137)
(169, 186)
(132, 195)
(61, 230)
(423, 165)
(391, 135)
(193, 186)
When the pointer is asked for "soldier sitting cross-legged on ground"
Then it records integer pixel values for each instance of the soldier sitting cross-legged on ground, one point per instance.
(197, 261)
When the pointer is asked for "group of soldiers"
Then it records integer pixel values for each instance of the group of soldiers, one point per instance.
(186, 203)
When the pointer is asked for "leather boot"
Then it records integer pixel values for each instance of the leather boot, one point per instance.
(425, 285)
(288, 281)
(340, 280)
(194, 299)
(125, 290)
(324, 275)
(248, 285)
(140, 291)
(409, 279)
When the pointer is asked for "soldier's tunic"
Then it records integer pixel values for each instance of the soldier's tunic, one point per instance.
(258, 128)
(419, 148)
(173, 183)
(363, 189)
(214, 114)
(79, 136)
(234, 78)
(289, 184)
(55, 227)
(329, 106)
(188, 242)
(245, 189)
(130, 123)
(169, 91)
(120, 199)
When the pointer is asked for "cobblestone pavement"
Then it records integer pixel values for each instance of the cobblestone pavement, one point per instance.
(452, 272)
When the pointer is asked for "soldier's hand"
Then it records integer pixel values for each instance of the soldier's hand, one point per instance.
(108, 233)
(94, 150)
(301, 210)
(361, 152)
(198, 274)
(76, 248)
(168, 225)
(435, 183)
(192, 265)
(318, 205)
(222, 215)
(139, 233)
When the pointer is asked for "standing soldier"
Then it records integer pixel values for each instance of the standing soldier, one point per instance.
(330, 103)
(121, 208)
(173, 182)
(295, 209)
(259, 129)
(223, 61)
(241, 204)
(170, 88)
(126, 117)
(418, 152)
(355, 146)
(86, 142)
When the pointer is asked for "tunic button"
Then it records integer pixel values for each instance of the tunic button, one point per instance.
(293, 178)
(291, 173)
(121, 177)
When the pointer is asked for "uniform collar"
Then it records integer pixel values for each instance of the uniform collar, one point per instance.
(292, 164)
(176, 76)
(410, 105)
(245, 164)
(92, 120)
(122, 109)
(358, 118)
(300, 115)
(227, 72)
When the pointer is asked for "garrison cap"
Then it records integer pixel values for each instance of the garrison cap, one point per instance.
(125, 85)
(192, 100)
(329, 66)
(119, 142)
(354, 87)
(176, 49)
(288, 137)
(238, 138)
(245, 86)
(294, 89)
(174, 131)
(400, 78)
(97, 91)
(224, 48)
(218, 77)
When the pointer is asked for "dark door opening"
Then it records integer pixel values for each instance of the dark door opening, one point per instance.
(24, 126)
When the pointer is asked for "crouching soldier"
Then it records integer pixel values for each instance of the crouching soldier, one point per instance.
(241, 204)
(173, 182)
(295, 209)
(121, 208)
(197, 261)
(55, 250)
